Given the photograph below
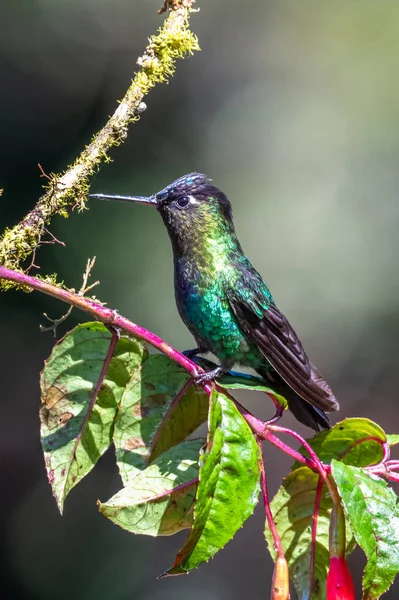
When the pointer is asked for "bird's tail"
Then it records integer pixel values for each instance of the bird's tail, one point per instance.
(309, 415)
(305, 413)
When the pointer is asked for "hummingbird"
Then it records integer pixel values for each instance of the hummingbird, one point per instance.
(226, 304)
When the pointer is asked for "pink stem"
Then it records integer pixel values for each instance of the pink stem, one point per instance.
(314, 530)
(272, 526)
(318, 465)
(385, 466)
(317, 462)
(270, 437)
(263, 431)
(387, 452)
(385, 470)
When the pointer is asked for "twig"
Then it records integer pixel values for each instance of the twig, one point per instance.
(32, 264)
(53, 239)
(55, 322)
(44, 174)
(83, 290)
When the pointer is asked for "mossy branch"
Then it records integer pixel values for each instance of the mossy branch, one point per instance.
(69, 189)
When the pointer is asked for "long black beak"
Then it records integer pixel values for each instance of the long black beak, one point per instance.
(138, 199)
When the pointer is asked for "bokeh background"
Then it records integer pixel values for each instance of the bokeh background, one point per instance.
(293, 109)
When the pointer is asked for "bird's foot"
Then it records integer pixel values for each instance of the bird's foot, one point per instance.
(209, 376)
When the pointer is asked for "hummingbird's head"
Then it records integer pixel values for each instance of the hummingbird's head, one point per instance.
(193, 204)
(192, 208)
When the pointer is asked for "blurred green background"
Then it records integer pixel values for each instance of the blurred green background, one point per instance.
(293, 109)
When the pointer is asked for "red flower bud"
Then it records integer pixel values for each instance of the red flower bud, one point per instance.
(280, 581)
(339, 580)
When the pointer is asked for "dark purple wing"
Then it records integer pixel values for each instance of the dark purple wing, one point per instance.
(270, 330)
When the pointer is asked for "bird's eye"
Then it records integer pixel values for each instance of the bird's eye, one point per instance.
(182, 201)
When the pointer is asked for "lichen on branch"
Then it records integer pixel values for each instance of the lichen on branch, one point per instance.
(68, 190)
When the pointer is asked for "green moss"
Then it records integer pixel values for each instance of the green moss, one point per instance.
(52, 279)
(158, 63)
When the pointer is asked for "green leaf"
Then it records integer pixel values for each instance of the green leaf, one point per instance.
(160, 499)
(372, 508)
(229, 485)
(253, 384)
(72, 444)
(393, 439)
(292, 508)
(149, 421)
(354, 441)
(182, 419)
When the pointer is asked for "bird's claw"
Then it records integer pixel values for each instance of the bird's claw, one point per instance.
(208, 376)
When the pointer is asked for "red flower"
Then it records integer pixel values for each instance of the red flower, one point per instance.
(339, 581)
